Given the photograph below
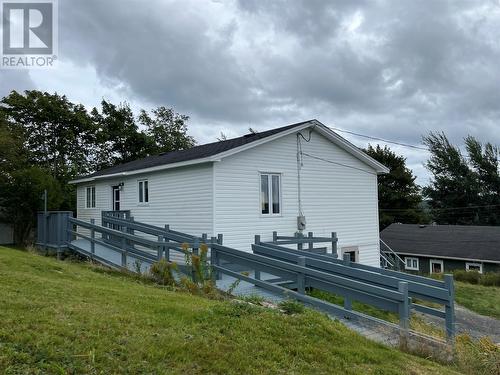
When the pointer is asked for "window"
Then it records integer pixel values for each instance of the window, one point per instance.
(270, 194)
(352, 251)
(143, 191)
(436, 266)
(474, 267)
(411, 264)
(90, 197)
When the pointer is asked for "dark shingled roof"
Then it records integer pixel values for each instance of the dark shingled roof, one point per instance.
(453, 241)
(197, 152)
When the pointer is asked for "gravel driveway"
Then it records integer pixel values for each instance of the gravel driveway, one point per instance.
(474, 324)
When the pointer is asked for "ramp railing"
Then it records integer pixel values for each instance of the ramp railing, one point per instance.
(302, 277)
(304, 242)
(420, 288)
(287, 271)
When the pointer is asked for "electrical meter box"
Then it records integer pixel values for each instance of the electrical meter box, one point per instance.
(301, 222)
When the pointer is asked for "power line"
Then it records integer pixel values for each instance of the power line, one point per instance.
(380, 139)
(336, 163)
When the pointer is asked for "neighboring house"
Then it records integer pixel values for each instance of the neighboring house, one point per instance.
(250, 185)
(442, 248)
(6, 234)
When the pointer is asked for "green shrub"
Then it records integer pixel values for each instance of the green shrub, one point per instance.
(163, 272)
(474, 277)
(490, 279)
(471, 277)
(290, 306)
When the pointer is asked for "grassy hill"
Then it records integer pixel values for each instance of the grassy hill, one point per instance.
(63, 317)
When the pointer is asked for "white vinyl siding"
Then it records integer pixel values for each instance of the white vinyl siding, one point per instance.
(182, 199)
(334, 198)
(411, 264)
(225, 196)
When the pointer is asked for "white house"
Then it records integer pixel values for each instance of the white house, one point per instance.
(254, 184)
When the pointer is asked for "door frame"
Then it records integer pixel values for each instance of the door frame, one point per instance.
(436, 261)
(113, 200)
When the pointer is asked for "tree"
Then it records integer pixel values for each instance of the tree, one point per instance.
(166, 129)
(399, 197)
(463, 190)
(21, 199)
(57, 134)
(118, 137)
(46, 141)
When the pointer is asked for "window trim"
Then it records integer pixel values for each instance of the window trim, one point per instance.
(88, 205)
(411, 268)
(269, 187)
(144, 202)
(350, 249)
(468, 264)
(436, 261)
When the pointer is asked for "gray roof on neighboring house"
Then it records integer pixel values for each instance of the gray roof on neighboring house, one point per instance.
(197, 152)
(448, 241)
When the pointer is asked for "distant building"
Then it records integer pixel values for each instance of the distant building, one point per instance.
(442, 248)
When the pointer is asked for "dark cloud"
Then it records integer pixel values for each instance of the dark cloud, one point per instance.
(394, 69)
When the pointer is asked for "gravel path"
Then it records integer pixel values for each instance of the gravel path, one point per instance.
(469, 322)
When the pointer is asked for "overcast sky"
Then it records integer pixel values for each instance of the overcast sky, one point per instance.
(392, 69)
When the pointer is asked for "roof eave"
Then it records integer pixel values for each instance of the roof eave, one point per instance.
(324, 130)
(147, 170)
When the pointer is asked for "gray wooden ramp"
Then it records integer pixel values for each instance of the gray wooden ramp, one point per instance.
(108, 256)
(384, 333)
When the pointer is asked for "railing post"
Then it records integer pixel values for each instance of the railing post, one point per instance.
(275, 237)
(69, 230)
(45, 230)
(450, 307)
(334, 245)
(92, 237)
(256, 271)
(124, 252)
(220, 238)
(160, 247)
(301, 277)
(404, 313)
(347, 298)
(214, 261)
(196, 246)
(311, 242)
(300, 236)
(131, 230)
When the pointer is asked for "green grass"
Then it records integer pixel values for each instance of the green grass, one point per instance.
(484, 300)
(62, 317)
